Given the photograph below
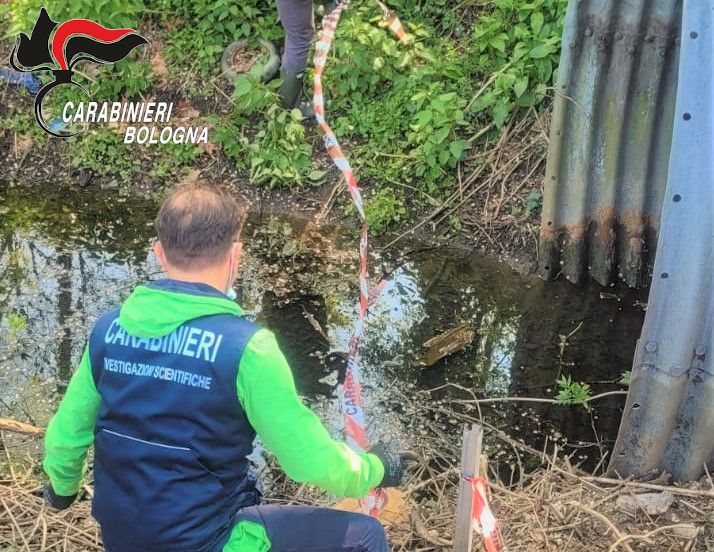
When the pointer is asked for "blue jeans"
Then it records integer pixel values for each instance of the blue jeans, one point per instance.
(312, 529)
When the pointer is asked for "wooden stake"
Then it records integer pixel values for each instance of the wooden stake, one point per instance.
(470, 458)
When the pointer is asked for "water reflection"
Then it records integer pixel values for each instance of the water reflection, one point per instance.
(66, 256)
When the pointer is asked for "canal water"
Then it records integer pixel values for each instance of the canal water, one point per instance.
(68, 254)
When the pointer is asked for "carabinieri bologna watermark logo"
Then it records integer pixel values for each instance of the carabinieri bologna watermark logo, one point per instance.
(58, 47)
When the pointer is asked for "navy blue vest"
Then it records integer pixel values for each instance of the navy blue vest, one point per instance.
(171, 438)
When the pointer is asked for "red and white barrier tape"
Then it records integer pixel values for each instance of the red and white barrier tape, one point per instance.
(482, 516)
(392, 22)
(351, 396)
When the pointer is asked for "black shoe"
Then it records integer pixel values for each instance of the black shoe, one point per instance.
(291, 94)
(291, 90)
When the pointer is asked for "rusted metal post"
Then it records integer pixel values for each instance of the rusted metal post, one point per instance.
(470, 460)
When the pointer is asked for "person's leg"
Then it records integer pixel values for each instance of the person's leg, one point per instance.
(310, 529)
(296, 17)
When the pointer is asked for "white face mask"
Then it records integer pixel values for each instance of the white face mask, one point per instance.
(230, 292)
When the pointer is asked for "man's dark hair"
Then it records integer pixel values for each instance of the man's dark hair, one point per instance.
(197, 224)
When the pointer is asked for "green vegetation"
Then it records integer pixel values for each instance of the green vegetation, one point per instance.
(127, 78)
(267, 142)
(16, 322)
(172, 159)
(199, 30)
(110, 13)
(518, 43)
(572, 392)
(277, 153)
(408, 115)
(24, 123)
(103, 151)
(383, 210)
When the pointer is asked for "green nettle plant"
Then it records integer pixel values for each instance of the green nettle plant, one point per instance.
(278, 152)
(172, 158)
(104, 152)
(433, 133)
(263, 139)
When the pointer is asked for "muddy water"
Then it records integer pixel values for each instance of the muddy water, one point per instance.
(68, 255)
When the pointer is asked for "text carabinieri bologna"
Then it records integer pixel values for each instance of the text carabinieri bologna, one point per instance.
(148, 122)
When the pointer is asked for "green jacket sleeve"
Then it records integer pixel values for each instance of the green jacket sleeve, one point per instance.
(291, 431)
(71, 431)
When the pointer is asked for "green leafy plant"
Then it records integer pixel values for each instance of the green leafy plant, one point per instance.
(455, 222)
(276, 153)
(172, 158)
(16, 322)
(383, 210)
(127, 78)
(263, 139)
(205, 27)
(572, 392)
(518, 45)
(626, 378)
(251, 95)
(279, 154)
(24, 123)
(104, 152)
(534, 201)
(433, 133)
(110, 13)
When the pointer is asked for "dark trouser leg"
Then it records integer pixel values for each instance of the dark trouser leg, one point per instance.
(297, 19)
(312, 529)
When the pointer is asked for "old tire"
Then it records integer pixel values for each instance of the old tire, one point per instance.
(230, 72)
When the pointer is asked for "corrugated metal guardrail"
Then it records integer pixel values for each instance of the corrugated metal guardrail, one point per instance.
(668, 421)
(610, 139)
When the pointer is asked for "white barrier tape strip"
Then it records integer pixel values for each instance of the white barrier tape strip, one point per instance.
(351, 396)
(482, 515)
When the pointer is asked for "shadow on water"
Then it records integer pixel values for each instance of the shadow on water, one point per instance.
(68, 255)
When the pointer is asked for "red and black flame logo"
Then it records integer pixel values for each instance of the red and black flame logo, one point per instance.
(73, 41)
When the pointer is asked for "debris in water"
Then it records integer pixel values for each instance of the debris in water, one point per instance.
(330, 379)
(446, 344)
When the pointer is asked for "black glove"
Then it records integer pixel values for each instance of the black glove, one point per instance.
(394, 463)
(56, 501)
